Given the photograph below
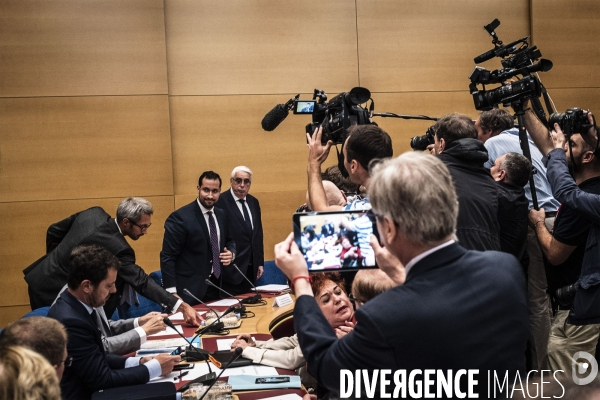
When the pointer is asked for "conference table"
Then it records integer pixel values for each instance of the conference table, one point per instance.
(258, 326)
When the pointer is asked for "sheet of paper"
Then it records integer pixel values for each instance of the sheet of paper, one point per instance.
(151, 352)
(292, 396)
(163, 343)
(225, 344)
(168, 331)
(272, 288)
(179, 316)
(257, 370)
(224, 302)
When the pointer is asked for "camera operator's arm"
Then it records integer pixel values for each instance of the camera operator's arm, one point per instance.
(555, 252)
(317, 154)
(538, 132)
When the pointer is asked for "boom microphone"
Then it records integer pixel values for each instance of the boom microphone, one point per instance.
(277, 115)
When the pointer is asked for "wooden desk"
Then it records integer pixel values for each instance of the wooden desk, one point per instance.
(264, 314)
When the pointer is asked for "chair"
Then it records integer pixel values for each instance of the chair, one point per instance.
(282, 325)
(271, 274)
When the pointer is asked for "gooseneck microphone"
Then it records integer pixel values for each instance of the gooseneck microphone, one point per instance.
(211, 376)
(236, 354)
(216, 328)
(256, 298)
(277, 115)
(238, 309)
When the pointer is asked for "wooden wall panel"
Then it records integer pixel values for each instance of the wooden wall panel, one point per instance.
(567, 33)
(23, 237)
(586, 98)
(84, 147)
(277, 210)
(220, 132)
(429, 46)
(260, 47)
(9, 314)
(67, 48)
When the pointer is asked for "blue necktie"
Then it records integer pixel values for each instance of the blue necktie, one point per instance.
(246, 215)
(214, 244)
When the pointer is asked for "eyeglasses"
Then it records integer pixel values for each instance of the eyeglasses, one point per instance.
(68, 361)
(142, 227)
(240, 180)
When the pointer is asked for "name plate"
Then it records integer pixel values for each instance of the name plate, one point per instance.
(283, 300)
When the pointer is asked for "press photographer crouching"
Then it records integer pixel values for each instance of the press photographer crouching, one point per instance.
(456, 145)
(457, 309)
(572, 249)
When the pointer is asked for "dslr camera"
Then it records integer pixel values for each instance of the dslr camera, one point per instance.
(421, 142)
(337, 115)
(574, 120)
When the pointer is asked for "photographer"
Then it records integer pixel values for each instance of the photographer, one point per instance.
(364, 144)
(495, 129)
(456, 144)
(572, 249)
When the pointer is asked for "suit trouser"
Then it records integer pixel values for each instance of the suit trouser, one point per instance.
(566, 340)
(540, 310)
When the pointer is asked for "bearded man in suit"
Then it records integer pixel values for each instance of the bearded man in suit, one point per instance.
(197, 245)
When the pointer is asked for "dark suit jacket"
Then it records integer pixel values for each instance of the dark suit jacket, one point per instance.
(248, 243)
(458, 309)
(48, 275)
(185, 259)
(92, 368)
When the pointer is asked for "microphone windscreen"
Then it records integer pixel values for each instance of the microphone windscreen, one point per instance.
(274, 117)
(168, 322)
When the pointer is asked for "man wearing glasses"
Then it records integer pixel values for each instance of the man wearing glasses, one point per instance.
(245, 225)
(47, 276)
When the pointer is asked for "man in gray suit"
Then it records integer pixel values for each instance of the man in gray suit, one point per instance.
(48, 275)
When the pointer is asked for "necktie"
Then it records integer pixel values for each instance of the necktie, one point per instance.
(246, 215)
(214, 244)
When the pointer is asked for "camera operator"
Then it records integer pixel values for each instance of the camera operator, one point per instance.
(496, 130)
(574, 270)
(456, 144)
(364, 144)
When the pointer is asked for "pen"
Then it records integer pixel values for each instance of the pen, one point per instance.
(181, 375)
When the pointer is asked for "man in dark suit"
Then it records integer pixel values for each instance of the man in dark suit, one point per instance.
(245, 226)
(197, 244)
(453, 309)
(92, 278)
(47, 276)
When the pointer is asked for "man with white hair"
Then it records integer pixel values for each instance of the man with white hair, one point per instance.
(47, 276)
(245, 226)
(457, 310)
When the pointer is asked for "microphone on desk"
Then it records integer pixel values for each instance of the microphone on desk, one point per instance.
(211, 376)
(256, 298)
(215, 327)
(241, 309)
(236, 354)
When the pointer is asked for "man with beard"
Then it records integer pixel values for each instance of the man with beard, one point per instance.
(92, 278)
(197, 244)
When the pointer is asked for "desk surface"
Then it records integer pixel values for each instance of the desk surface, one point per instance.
(264, 314)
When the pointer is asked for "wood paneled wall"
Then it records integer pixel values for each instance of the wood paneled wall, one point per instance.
(104, 99)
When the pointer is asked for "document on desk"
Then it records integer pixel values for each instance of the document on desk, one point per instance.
(169, 331)
(256, 370)
(224, 303)
(164, 343)
(272, 288)
(225, 344)
(179, 316)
